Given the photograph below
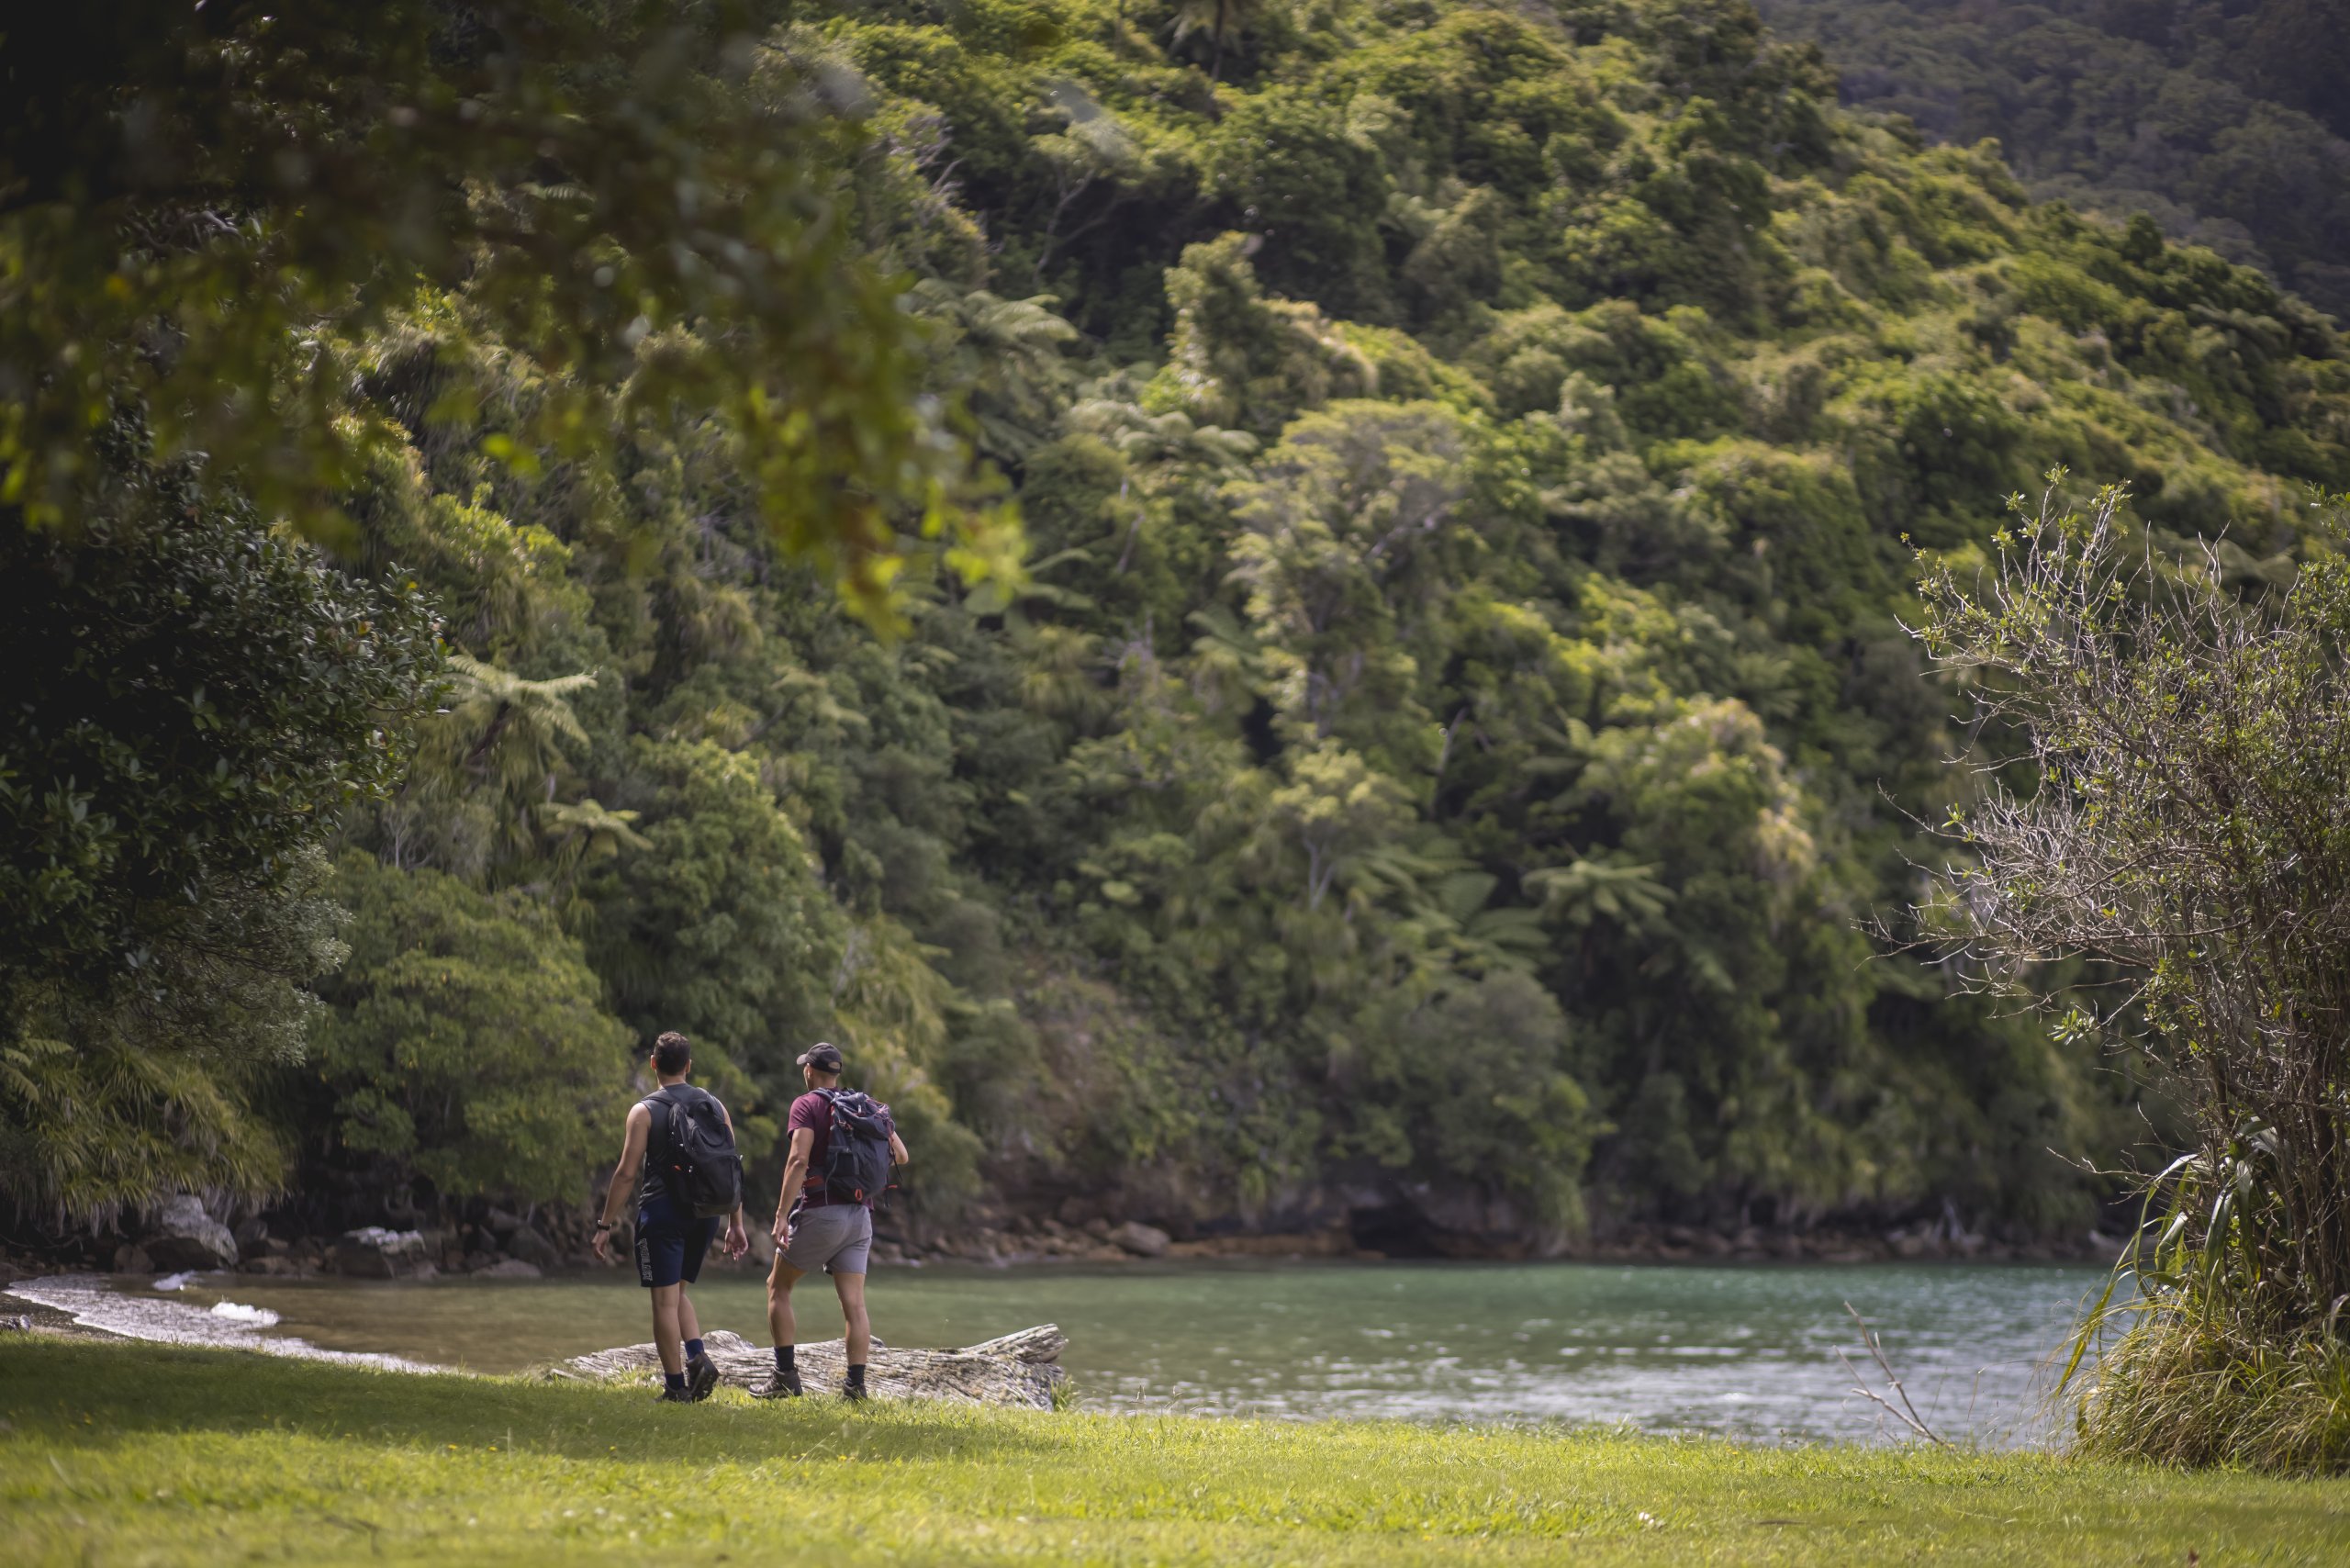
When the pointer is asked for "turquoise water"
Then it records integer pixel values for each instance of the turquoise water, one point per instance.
(1748, 1351)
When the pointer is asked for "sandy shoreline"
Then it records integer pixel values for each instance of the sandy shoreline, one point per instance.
(90, 1304)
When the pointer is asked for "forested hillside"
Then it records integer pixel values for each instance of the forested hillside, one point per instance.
(2225, 119)
(1456, 721)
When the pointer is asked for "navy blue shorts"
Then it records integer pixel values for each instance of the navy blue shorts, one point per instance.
(669, 1250)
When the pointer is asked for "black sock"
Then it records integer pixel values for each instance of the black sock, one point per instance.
(857, 1374)
(783, 1358)
(677, 1381)
(693, 1348)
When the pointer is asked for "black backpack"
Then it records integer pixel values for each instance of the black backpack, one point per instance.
(857, 1155)
(695, 1155)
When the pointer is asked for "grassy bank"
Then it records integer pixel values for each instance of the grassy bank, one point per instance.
(136, 1453)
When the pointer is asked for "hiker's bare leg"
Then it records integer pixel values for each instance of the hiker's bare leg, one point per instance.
(689, 1323)
(780, 1279)
(666, 1337)
(860, 1328)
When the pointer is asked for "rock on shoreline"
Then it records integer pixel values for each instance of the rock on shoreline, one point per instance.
(1023, 1369)
(182, 1236)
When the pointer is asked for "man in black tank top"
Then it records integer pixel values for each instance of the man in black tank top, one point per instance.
(670, 1240)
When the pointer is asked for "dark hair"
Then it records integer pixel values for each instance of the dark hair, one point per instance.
(672, 1053)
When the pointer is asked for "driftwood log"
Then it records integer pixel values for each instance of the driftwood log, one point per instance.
(1020, 1369)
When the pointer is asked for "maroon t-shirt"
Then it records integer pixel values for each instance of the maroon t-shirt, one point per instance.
(814, 1111)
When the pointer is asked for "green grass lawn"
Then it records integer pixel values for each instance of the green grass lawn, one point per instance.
(124, 1454)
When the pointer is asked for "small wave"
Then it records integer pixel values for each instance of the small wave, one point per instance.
(174, 1281)
(259, 1317)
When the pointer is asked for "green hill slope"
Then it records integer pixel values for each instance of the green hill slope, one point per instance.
(2225, 121)
(1458, 719)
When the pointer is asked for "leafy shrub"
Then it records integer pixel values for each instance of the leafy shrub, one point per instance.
(466, 1043)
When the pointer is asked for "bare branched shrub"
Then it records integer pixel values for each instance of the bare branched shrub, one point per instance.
(2178, 809)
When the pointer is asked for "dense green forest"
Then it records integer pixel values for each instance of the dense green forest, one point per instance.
(1440, 762)
(2225, 119)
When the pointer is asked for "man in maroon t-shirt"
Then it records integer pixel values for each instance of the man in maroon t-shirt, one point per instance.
(814, 1229)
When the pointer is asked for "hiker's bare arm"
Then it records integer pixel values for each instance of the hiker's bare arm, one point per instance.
(795, 1167)
(898, 1155)
(639, 1128)
(795, 1171)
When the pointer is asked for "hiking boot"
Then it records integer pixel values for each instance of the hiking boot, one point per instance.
(701, 1378)
(780, 1385)
(673, 1396)
(852, 1392)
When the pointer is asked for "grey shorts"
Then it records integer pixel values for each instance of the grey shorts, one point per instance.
(837, 1237)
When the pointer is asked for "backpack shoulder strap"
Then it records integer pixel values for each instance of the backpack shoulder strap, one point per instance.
(664, 1110)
